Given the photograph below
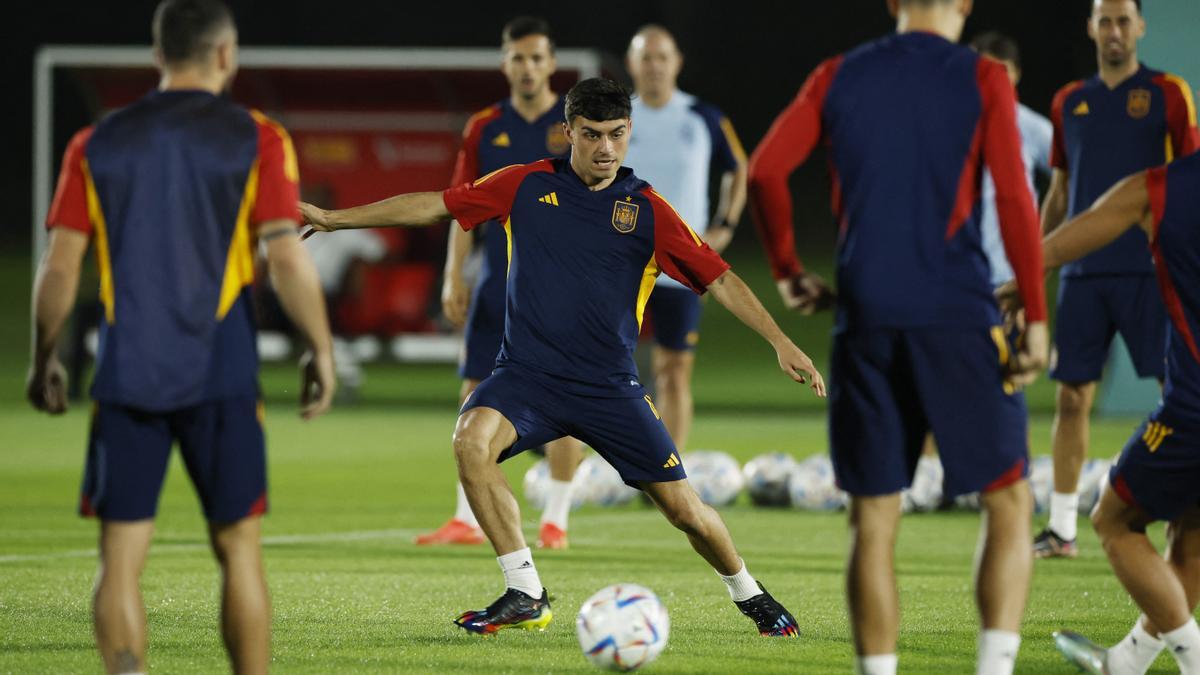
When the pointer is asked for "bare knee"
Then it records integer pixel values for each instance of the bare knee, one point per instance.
(687, 515)
(1074, 401)
(672, 371)
(233, 541)
(874, 520)
(1009, 504)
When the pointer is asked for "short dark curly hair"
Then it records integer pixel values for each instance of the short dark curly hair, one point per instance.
(598, 99)
(184, 29)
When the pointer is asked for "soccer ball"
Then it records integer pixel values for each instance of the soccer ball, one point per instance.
(622, 627)
(537, 484)
(925, 493)
(767, 478)
(597, 482)
(716, 476)
(1091, 480)
(811, 486)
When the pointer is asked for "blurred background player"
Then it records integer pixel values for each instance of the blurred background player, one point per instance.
(173, 191)
(909, 119)
(587, 239)
(1124, 119)
(523, 128)
(678, 140)
(1157, 476)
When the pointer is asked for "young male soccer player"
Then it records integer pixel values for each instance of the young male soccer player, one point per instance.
(679, 140)
(173, 191)
(524, 128)
(586, 239)
(1158, 473)
(1124, 119)
(910, 119)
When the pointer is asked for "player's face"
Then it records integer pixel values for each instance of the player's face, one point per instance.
(1116, 26)
(654, 62)
(528, 64)
(598, 148)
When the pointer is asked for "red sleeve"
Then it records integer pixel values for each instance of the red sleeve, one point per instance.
(787, 144)
(466, 167)
(277, 194)
(1058, 149)
(489, 197)
(70, 207)
(679, 251)
(1181, 115)
(1156, 191)
(1001, 145)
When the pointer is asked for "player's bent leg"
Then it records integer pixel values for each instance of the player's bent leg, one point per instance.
(1070, 433)
(117, 602)
(480, 435)
(871, 576)
(673, 389)
(245, 604)
(678, 501)
(1004, 563)
(463, 528)
(563, 456)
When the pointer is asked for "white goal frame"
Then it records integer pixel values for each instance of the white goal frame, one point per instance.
(586, 61)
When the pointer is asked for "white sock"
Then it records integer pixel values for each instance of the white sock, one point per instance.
(462, 511)
(558, 503)
(1135, 654)
(741, 586)
(519, 572)
(1184, 643)
(1064, 514)
(997, 652)
(876, 664)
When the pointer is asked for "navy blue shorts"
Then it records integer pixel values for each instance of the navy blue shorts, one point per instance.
(1093, 309)
(1159, 469)
(676, 316)
(483, 334)
(222, 445)
(889, 387)
(627, 432)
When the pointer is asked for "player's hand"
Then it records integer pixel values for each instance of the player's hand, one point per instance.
(796, 365)
(315, 216)
(718, 237)
(317, 383)
(456, 298)
(805, 293)
(46, 387)
(1008, 297)
(1032, 355)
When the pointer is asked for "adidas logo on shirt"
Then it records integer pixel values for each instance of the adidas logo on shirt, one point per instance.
(1081, 109)
(671, 461)
(551, 199)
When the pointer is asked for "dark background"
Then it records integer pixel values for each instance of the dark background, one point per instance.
(747, 57)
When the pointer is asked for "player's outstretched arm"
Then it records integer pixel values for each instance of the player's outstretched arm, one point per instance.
(736, 296)
(299, 289)
(1125, 205)
(415, 209)
(53, 297)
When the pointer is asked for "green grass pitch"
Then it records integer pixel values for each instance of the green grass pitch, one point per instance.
(352, 594)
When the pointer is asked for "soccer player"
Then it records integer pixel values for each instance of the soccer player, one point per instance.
(173, 192)
(1124, 119)
(586, 239)
(524, 128)
(910, 119)
(679, 140)
(1158, 473)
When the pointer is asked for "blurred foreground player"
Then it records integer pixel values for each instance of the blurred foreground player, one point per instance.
(586, 240)
(1124, 119)
(174, 190)
(1157, 476)
(525, 127)
(911, 120)
(680, 140)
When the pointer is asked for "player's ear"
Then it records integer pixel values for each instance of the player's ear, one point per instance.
(159, 61)
(966, 7)
(893, 8)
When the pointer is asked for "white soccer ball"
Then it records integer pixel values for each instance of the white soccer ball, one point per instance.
(597, 482)
(925, 493)
(537, 484)
(622, 627)
(1041, 481)
(811, 486)
(716, 476)
(1091, 480)
(767, 478)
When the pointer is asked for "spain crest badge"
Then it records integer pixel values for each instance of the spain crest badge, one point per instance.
(1139, 103)
(624, 217)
